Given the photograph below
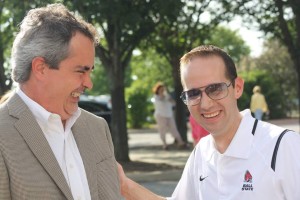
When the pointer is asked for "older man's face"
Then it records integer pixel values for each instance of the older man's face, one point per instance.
(64, 86)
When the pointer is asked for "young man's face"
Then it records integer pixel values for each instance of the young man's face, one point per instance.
(64, 86)
(216, 116)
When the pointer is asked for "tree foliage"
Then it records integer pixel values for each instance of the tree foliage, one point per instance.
(175, 28)
(137, 106)
(100, 80)
(277, 18)
(231, 42)
(193, 26)
(270, 88)
(11, 14)
(276, 60)
(149, 67)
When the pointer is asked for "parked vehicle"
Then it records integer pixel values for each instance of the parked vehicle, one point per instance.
(98, 108)
(104, 98)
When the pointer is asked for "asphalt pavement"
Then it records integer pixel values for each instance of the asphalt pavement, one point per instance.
(145, 146)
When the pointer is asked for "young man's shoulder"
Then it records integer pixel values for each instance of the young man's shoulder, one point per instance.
(267, 135)
(266, 129)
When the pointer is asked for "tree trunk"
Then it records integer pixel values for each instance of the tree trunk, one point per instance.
(295, 56)
(181, 110)
(291, 44)
(2, 74)
(118, 122)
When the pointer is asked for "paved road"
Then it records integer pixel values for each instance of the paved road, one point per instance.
(145, 147)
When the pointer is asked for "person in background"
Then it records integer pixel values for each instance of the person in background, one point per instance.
(163, 105)
(198, 131)
(258, 104)
(49, 148)
(243, 158)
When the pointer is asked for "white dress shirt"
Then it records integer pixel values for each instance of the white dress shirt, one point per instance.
(63, 145)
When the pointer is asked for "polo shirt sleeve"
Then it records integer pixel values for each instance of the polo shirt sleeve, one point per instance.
(287, 166)
(186, 187)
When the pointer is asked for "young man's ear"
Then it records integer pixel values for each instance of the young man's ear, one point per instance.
(239, 87)
(38, 66)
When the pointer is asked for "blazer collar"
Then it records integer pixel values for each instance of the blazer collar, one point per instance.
(34, 137)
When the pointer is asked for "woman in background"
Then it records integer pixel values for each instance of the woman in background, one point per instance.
(163, 104)
(258, 104)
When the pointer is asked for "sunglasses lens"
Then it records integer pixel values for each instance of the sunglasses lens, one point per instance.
(216, 91)
(194, 93)
(191, 97)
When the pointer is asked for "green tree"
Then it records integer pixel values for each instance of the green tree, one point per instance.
(278, 19)
(5, 39)
(194, 25)
(149, 67)
(276, 60)
(11, 14)
(270, 88)
(123, 24)
(100, 80)
(137, 100)
(231, 42)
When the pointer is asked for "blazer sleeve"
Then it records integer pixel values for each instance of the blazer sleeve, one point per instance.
(4, 180)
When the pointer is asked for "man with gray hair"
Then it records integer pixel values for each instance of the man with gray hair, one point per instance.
(49, 148)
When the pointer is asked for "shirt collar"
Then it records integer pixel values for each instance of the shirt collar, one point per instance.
(41, 114)
(241, 144)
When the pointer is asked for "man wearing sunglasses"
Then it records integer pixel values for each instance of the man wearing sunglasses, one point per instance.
(242, 158)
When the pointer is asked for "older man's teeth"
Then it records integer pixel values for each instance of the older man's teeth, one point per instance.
(75, 94)
(211, 115)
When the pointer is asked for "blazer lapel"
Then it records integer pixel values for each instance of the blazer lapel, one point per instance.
(34, 137)
(85, 145)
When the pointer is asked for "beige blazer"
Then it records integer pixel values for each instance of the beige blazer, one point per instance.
(28, 167)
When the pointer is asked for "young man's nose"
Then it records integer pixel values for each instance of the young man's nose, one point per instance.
(205, 101)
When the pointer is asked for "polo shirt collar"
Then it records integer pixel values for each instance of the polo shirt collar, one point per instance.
(241, 144)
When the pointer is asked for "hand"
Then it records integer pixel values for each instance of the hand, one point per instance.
(131, 190)
(122, 178)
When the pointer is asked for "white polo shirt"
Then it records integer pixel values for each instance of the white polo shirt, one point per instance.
(243, 171)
